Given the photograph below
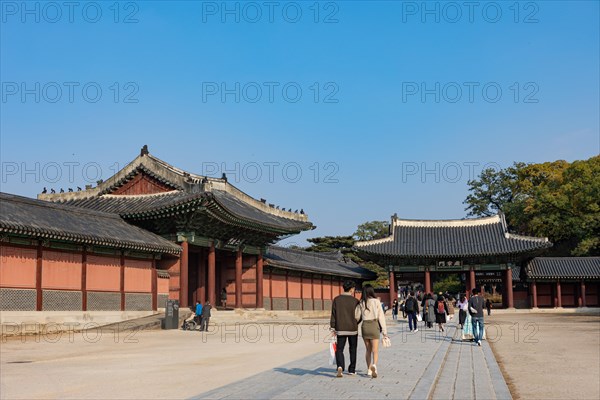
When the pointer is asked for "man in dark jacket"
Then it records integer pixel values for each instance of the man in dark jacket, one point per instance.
(205, 316)
(412, 309)
(345, 327)
(476, 303)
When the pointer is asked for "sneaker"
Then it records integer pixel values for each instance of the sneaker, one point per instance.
(339, 373)
(369, 372)
(352, 373)
(373, 371)
(416, 330)
(479, 343)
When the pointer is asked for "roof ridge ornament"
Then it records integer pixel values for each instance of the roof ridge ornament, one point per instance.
(144, 151)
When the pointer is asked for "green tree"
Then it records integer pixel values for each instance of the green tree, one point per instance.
(557, 199)
(372, 230)
(331, 243)
(344, 245)
(451, 284)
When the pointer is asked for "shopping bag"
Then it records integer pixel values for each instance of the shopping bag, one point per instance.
(419, 318)
(332, 349)
(386, 342)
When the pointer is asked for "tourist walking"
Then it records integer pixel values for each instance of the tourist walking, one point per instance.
(451, 310)
(476, 311)
(395, 309)
(488, 306)
(344, 326)
(430, 305)
(462, 305)
(441, 309)
(198, 313)
(224, 298)
(403, 308)
(205, 316)
(412, 308)
(373, 322)
(424, 309)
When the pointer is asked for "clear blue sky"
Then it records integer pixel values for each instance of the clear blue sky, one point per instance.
(370, 133)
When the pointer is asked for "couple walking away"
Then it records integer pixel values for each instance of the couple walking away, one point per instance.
(346, 313)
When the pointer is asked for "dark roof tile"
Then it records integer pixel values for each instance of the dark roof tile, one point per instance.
(451, 238)
(564, 268)
(24, 216)
(323, 263)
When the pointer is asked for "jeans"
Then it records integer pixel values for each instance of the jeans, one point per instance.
(204, 323)
(412, 320)
(477, 328)
(339, 351)
(394, 315)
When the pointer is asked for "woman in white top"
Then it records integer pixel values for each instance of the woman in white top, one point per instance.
(373, 322)
(462, 305)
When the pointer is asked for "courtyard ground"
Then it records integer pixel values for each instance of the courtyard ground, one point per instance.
(547, 355)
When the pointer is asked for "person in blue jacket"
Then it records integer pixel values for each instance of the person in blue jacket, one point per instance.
(198, 317)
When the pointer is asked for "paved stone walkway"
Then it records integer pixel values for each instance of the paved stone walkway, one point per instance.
(422, 365)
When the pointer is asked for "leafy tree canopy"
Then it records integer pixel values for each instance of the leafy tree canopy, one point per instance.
(372, 230)
(559, 200)
(344, 245)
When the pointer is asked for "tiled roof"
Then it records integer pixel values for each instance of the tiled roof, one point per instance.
(451, 238)
(132, 206)
(564, 268)
(323, 263)
(239, 208)
(45, 220)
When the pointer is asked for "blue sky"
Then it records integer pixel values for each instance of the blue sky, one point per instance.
(413, 98)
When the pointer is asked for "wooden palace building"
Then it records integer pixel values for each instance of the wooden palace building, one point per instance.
(152, 232)
(419, 250)
(485, 254)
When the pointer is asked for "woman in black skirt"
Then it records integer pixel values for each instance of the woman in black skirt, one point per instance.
(441, 309)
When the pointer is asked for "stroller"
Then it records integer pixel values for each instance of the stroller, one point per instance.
(191, 323)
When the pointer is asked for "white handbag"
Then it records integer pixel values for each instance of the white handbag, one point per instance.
(386, 342)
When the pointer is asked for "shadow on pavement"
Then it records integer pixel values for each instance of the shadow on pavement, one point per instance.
(301, 371)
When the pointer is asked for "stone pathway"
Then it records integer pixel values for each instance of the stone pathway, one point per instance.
(422, 365)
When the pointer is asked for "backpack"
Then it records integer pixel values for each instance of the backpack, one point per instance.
(440, 307)
(409, 305)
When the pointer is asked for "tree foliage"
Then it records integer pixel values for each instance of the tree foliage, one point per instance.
(451, 284)
(344, 245)
(559, 200)
(372, 230)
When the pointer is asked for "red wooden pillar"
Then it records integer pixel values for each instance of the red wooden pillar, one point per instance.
(427, 281)
(84, 279)
(471, 280)
(154, 285)
(509, 289)
(322, 299)
(122, 280)
(259, 281)
(558, 294)
(582, 292)
(201, 297)
(38, 277)
(287, 291)
(184, 275)
(392, 287)
(212, 298)
(271, 288)
(302, 291)
(331, 287)
(312, 291)
(238, 279)
(534, 293)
